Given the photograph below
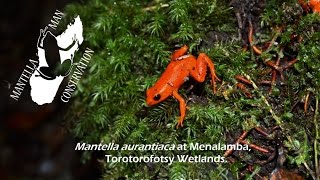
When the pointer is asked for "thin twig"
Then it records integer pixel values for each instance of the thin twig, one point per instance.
(274, 116)
(308, 168)
(156, 6)
(316, 139)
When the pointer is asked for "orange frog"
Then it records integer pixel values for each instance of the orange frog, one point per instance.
(314, 5)
(181, 66)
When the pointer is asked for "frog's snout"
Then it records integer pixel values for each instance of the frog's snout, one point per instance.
(152, 99)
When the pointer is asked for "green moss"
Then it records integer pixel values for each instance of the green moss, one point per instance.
(133, 41)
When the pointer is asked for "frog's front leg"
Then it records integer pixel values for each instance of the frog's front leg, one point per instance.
(179, 52)
(199, 71)
(182, 107)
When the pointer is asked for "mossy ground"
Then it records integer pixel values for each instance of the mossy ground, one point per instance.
(133, 41)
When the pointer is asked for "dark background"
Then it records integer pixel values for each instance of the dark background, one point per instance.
(34, 140)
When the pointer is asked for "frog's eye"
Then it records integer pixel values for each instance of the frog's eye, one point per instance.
(157, 97)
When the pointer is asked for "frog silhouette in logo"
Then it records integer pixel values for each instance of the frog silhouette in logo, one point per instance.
(55, 55)
(47, 42)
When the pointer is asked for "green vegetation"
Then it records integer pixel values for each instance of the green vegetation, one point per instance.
(133, 41)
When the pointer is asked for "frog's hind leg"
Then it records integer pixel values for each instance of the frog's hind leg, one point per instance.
(199, 71)
(182, 107)
(179, 52)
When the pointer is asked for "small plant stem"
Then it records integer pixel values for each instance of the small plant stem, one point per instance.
(155, 7)
(316, 139)
(308, 168)
(274, 116)
(278, 32)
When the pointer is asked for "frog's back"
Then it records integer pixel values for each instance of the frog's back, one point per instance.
(177, 72)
